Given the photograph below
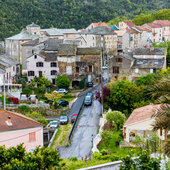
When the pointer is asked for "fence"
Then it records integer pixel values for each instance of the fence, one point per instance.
(75, 122)
(44, 105)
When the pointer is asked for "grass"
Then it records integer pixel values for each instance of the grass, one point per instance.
(56, 137)
(72, 165)
(61, 135)
(116, 150)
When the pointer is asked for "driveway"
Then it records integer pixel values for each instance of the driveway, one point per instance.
(81, 143)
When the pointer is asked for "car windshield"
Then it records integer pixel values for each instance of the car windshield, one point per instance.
(89, 94)
(54, 123)
(63, 117)
(87, 98)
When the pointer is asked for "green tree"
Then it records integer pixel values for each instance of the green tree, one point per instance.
(124, 95)
(62, 81)
(38, 117)
(117, 118)
(106, 136)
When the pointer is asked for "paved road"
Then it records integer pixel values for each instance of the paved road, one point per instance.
(81, 143)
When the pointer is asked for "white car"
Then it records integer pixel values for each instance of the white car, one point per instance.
(54, 124)
(63, 91)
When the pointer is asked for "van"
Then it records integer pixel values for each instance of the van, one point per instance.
(88, 101)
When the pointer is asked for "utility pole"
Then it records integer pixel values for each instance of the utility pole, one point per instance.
(4, 95)
(102, 44)
(94, 117)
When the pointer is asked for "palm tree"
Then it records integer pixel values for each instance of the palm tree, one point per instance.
(160, 93)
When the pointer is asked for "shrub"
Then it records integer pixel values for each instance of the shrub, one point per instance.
(62, 81)
(73, 158)
(24, 108)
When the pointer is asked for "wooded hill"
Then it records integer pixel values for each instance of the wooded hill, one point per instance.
(16, 14)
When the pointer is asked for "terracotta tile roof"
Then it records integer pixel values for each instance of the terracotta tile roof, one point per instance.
(19, 121)
(129, 23)
(143, 28)
(131, 31)
(163, 22)
(153, 25)
(142, 113)
(101, 24)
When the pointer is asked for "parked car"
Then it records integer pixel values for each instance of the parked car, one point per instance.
(89, 94)
(63, 103)
(89, 84)
(63, 119)
(63, 91)
(88, 101)
(54, 124)
(73, 118)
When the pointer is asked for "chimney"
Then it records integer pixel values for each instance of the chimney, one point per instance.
(8, 122)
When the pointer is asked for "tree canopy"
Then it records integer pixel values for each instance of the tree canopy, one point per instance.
(62, 81)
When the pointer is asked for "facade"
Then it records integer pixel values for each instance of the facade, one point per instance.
(79, 63)
(16, 129)
(42, 65)
(125, 24)
(147, 60)
(165, 28)
(157, 31)
(140, 123)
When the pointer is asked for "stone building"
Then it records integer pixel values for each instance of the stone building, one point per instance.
(79, 63)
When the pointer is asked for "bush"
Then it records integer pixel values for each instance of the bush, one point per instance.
(24, 108)
(62, 81)
(73, 158)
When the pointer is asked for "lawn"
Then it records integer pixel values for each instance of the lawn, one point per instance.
(116, 150)
(61, 135)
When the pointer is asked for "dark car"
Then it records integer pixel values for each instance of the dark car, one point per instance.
(63, 103)
(73, 118)
(90, 84)
(88, 101)
(63, 119)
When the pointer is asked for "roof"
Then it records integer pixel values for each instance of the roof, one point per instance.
(19, 121)
(75, 41)
(153, 25)
(8, 60)
(31, 43)
(2, 71)
(120, 33)
(88, 51)
(101, 24)
(148, 51)
(67, 49)
(142, 113)
(129, 23)
(56, 32)
(23, 35)
(52, 44)
(141, 28)
(114, 27)
(163, 22)
(33, 25)
(131, 31)
(100, 31)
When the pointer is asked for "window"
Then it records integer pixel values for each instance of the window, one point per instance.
(151, 70)
(90, 69)
(69, 70)
(32, 137)
(115, 69)
(39, 64)
(136, 70)
(119, 60)
(69, 60)
(53, 72)
(77, 69)
(77, 58)
(40, 73)
(53, 81)
(53, 64)
(30, 73)
(13, 68)
(35, 56)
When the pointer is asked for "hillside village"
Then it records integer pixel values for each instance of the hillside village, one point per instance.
(100, 59)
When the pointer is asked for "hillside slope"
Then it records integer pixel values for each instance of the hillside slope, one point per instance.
(16, 14)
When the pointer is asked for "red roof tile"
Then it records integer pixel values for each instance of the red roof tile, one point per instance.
(101, 24)
(18, 121)
(163, 22)
(153, 25)
(131, 31)
(143, 29)
(129, 23)
(142, 114)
